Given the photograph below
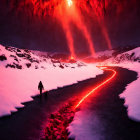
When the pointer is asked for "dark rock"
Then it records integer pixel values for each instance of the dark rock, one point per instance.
(33, 60)
(61, 66)
(20, 55)
(15, 58)
(36, 67)
(10, 65)
(132, 55)
(11, 49)
(18, 50)
(17, 66)
(3, 57)
(28, 65)
(42, 67)
(28, 56)
(27, 51)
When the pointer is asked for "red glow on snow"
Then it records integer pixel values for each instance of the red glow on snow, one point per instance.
(72, 58)
(98, 86)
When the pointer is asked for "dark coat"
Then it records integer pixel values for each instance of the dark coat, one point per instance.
(40, 86)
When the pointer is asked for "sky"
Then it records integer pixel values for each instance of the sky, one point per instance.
(74, 26)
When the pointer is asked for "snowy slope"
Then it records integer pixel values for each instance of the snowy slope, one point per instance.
(86, 124)
(118, 53)
(21, 71)
(99, 56)
(130, 60)
(129, 56)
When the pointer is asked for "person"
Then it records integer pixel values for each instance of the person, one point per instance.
(40, 87)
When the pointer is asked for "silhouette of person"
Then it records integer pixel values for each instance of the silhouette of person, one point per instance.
(40, 87)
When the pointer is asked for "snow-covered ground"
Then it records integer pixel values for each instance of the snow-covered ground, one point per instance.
(107, 53)
(130, 60)
(21, 71)
(85, 128)
(86, 125)
(132, 93)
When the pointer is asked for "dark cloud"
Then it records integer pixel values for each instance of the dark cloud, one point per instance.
(27, 24)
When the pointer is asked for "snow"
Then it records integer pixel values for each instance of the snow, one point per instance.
(132, 97)
(18, 85)
(132, 91)
(86, 124)
(104, 53)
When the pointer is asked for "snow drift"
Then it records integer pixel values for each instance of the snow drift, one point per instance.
(130, 60)
(21, 71)
(86, 124)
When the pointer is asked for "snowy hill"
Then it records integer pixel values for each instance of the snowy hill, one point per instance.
(130, 60)
(99, 56)
(87, 124)
(21, 59)
(114, 53)
(132, 55)
(21, 70)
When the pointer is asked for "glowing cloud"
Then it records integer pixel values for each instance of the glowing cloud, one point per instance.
(71, 14)
(69, 2)
(67, 11)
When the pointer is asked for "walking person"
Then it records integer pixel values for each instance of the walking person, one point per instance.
(40, 87)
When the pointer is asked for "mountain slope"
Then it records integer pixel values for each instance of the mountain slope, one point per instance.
(21, 71)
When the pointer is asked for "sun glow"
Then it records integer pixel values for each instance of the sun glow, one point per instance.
(69, 2)
(72, 58)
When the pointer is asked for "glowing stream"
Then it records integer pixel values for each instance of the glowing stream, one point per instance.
(99, 86)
